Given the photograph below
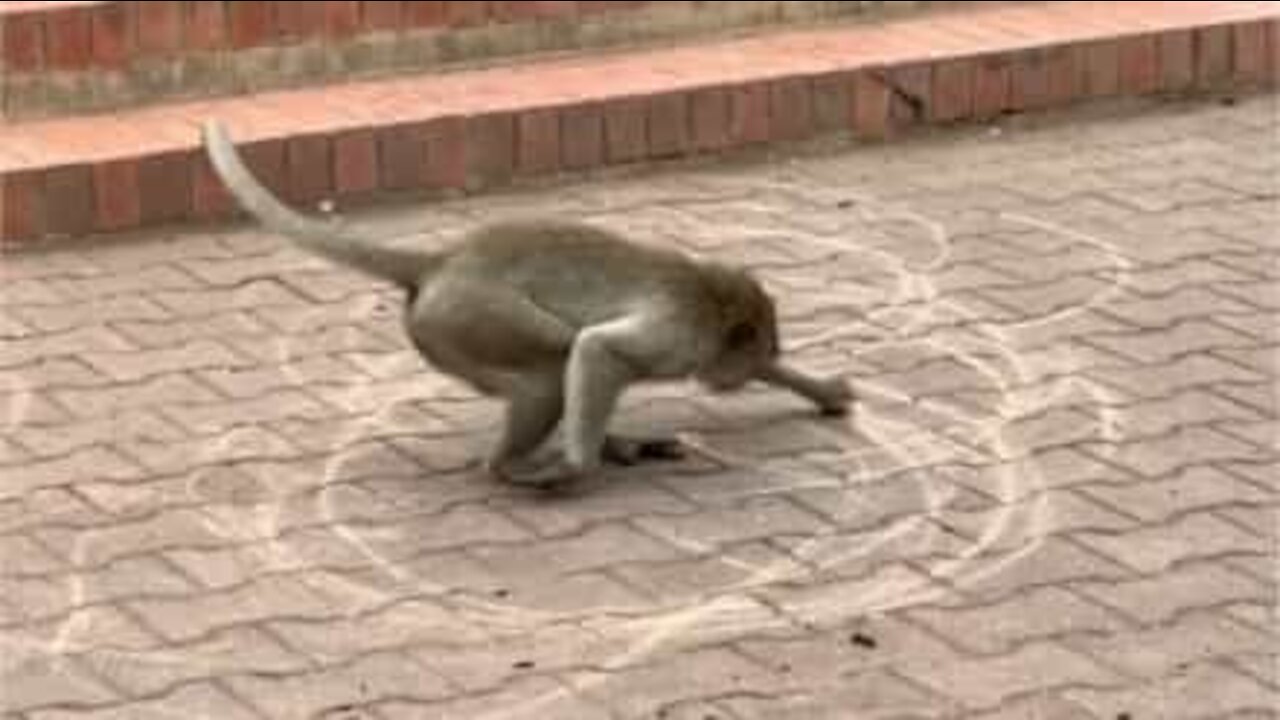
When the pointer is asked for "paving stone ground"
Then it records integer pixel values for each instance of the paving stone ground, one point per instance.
(229, 489)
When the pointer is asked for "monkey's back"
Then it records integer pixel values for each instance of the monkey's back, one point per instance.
(581, 273)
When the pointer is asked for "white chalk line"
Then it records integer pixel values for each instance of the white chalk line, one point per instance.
(667, 620)
(1010, 519)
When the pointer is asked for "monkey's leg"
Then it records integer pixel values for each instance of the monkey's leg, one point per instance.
(832, 395)
(503, 345)
(531, 415)
(604, 360)
(466, 323)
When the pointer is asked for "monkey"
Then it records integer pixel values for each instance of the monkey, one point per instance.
(556, 318)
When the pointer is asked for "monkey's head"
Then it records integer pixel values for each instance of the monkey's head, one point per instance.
(748, 339)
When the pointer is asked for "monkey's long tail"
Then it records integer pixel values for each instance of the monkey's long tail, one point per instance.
(404, 267)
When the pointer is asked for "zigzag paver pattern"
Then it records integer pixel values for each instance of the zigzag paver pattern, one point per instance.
(229, 489)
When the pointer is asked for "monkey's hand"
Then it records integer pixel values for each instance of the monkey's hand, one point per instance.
(832, 395)
(835, 396)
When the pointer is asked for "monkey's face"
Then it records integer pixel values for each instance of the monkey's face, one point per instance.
(750, 340)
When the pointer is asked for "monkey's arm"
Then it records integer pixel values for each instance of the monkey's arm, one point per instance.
(832, 394)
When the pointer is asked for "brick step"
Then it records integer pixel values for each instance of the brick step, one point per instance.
(61, 58)
(476, 129)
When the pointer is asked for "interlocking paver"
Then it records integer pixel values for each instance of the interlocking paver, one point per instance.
(1162, 344)
(1195, 488)
(197, 698)
(64, 316)
(228, 487)
(981, 684)
(103, 284)
(90, 463)
(751, 520)
(1262, 520)
(1056, 468)
(11, 453)
(237, 650)
(55, 506)
(263, 598)
(22, 555)
(596, 547)
(457, 527)
(613, 502)
(208, 451)
(211, 418)
(39, 598)
(503, 656)
(541, 696)
(83, 341)
(107, 400)
(1053, 561)
(161, 334)
(33, 679)
(402, 625)
(1201, 691)
(1160, 598)
(1184, 447)
(1261, 666)
(116, 634)
(132, 365)
(1253, 395)
(1165, 379)
(347, 687)
(203, 301)
(1200, 406)
(1254, 565)
(1057, 512)
(644, 691)
(1154, 548)
(1262, 295)
(1261, 325)
(1161, 650)
(874, 693)
(130, 578)
(1182, 274)
(49, 441)
(1039, 613)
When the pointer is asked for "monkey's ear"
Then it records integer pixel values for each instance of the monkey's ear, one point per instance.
(741, 334)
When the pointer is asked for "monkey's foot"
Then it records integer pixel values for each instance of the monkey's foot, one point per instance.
(553, 476)
(634, 451)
